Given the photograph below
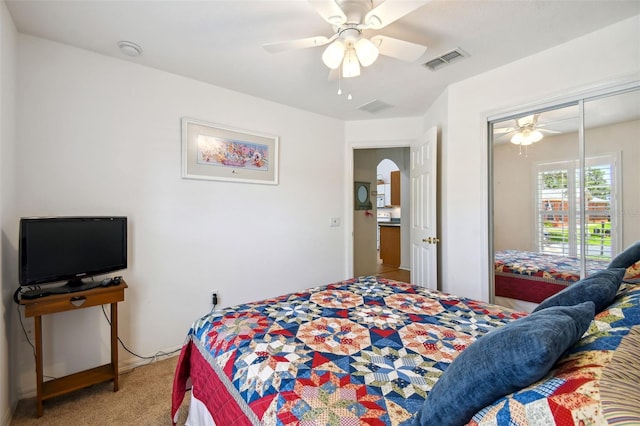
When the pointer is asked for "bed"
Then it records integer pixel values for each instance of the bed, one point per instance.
(532, 277)
(369, 350)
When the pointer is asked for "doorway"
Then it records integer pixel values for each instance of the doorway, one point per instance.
(365, 223)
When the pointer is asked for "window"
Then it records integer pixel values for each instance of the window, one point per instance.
(558, 203)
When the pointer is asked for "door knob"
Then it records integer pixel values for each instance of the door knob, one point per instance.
(431, 240)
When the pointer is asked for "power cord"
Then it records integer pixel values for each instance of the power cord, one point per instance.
(151, 358)
(26, 335)
(24, 330)
(33, 348)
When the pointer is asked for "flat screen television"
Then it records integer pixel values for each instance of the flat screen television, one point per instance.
(53, 249)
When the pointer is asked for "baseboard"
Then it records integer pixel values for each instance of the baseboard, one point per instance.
(124, 366)
(8, 415)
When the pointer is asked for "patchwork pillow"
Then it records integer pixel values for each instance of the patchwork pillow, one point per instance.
(600, 288)
(503, 361)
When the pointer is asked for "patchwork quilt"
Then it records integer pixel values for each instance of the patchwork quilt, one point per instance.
(367, 351)
(543, 266)
(361, 351)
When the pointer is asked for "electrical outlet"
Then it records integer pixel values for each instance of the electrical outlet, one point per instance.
(334, 222)
(215, 297)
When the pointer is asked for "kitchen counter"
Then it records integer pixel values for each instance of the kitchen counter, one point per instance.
(388, 223)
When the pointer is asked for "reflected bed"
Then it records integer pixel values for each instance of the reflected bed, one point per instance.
(532, 277)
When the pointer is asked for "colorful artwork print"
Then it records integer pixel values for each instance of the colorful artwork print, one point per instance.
(232, 153)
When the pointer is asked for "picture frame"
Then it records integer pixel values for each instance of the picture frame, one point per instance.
(362, 196)
(216, 152)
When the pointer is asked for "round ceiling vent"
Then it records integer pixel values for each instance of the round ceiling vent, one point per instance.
(129, 48)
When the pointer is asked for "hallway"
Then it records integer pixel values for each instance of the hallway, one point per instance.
(393, 273)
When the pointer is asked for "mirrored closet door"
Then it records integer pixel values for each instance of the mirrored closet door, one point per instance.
(565, 194)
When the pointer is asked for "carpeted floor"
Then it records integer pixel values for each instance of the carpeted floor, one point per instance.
(144, 398)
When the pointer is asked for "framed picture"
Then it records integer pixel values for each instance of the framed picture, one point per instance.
(214, 152)
(362, 196)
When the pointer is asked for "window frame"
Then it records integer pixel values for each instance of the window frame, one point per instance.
(576, 233)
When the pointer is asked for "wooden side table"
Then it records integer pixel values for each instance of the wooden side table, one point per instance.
(67, 302)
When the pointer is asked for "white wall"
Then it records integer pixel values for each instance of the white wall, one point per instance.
(8, 329)
(100, 136)
(557, 72)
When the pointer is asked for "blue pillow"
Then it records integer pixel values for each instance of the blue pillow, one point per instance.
(627, 258)
(503, 361)
(600, 288)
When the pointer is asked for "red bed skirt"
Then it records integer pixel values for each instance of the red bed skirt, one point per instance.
(207, 387)
(525, 289)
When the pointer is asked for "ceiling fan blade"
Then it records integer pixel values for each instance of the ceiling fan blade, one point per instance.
(528, 120)
(303, 43)
(503, 138)
(390, 11)
(504, 130)
(399, 49)
(330, 11)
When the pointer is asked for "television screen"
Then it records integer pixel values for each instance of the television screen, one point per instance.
(70, 248)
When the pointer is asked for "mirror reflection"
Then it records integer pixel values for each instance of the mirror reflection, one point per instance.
(557, 218)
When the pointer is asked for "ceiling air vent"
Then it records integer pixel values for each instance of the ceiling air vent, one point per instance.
(375, 106)
(446, 59)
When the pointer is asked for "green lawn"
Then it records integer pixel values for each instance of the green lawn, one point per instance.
(598, 236)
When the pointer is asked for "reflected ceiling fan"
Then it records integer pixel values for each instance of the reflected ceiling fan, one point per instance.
(525, 132)
(348, 48)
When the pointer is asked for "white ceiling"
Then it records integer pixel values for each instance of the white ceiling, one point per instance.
(220, 42)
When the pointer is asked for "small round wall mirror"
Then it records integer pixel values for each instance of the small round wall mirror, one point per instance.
(362, 196)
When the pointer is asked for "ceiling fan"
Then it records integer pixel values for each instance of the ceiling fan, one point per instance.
(525, 132)
(348, 47)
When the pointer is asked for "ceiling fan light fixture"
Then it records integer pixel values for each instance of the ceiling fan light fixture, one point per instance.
(350, 64)
(527, 137)
(536, 136)
(366, 51)
(333, 54)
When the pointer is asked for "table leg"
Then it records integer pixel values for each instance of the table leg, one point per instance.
(39, 373)
(114, 344)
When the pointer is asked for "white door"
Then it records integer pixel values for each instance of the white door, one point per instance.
(424, 240)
